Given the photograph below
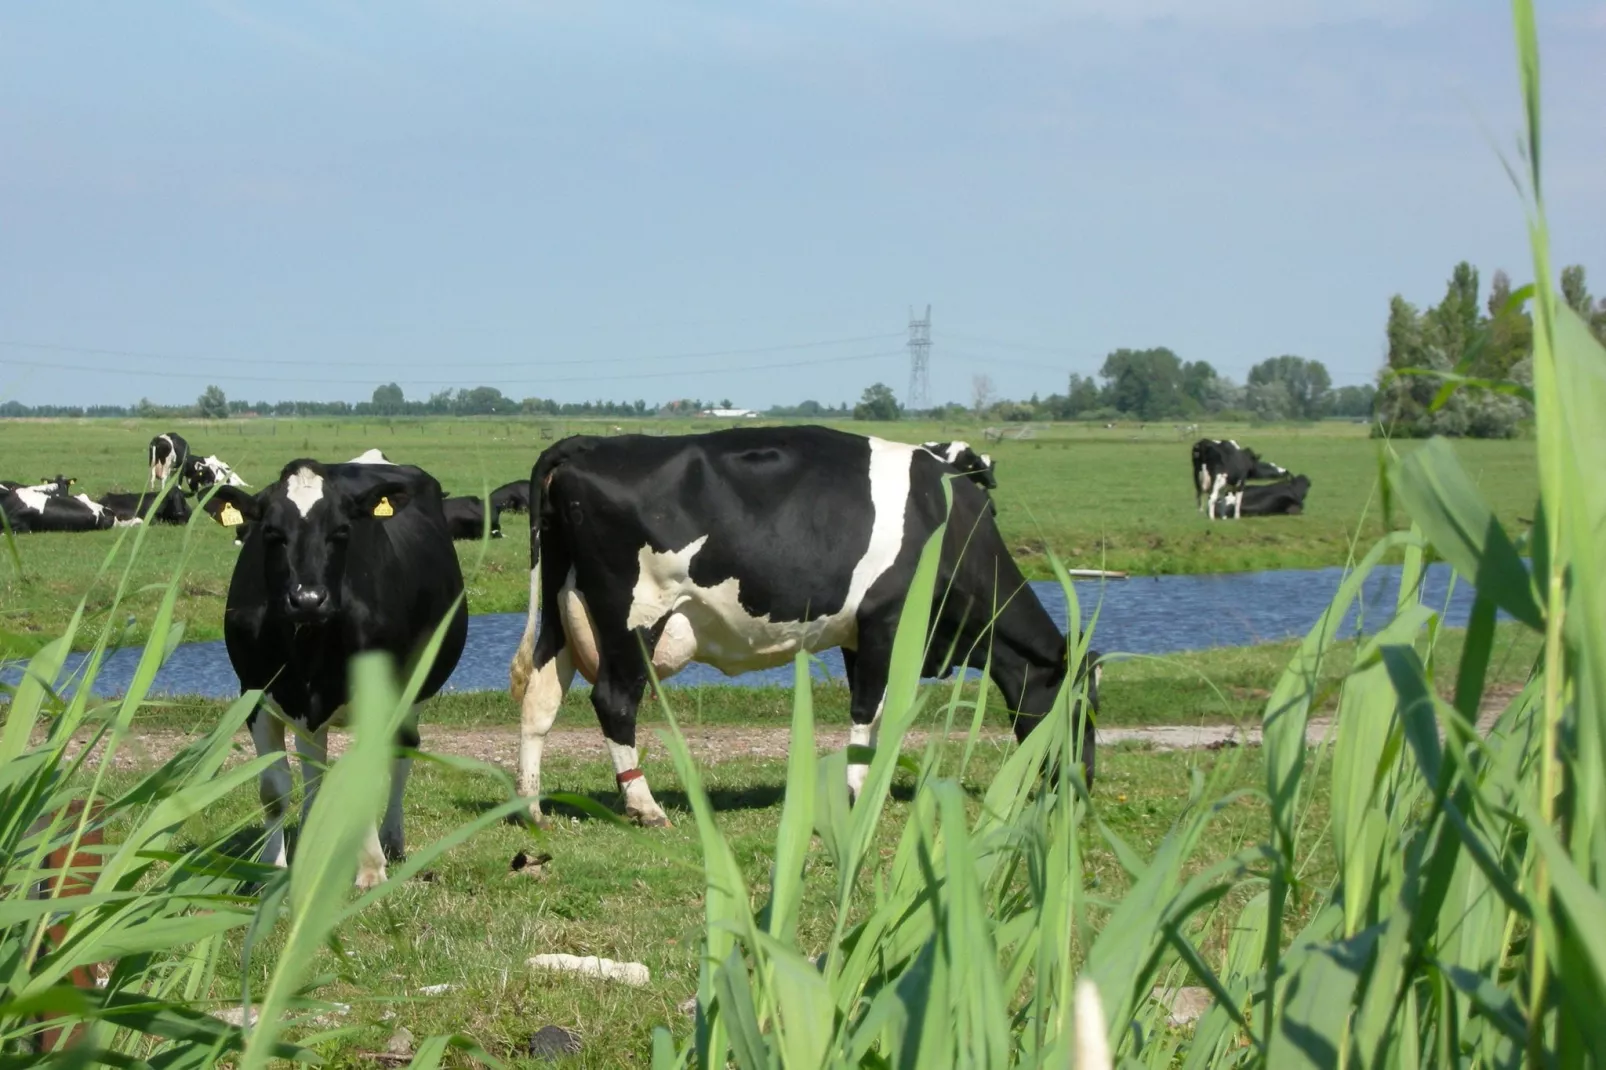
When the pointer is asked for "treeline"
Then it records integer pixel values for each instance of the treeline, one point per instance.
(1156, 384)
(1488, 342)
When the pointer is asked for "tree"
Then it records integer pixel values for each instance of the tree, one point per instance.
(1355, 402)
(1576, 294)
(212, 405)
(878, 403)
(1305, 382)
(389, 400)
(981, 394)
(1143, 382)
(483, 401)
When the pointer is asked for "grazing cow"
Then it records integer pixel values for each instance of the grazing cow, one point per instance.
(978, 466)
(60, 487)
(174, 507)
(1284, 498)
(210, 471)
(739, 548)
(29, 510)
(341, 559)
(1222, 464)
(169, 454)
(465, 518)
(512, 497)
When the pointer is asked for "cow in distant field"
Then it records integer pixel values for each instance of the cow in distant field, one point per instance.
(209, 471)
(1219, 465)
(340, 559)
(60, 486)
(174, 507)
(1284, 498)
(738, 549)
(512, 497)
(28, 510)
(465, 518)
(169, 454)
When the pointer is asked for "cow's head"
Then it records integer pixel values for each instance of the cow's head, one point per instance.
(60, 486)
(210, 471)
(304, 523)
(978, 466)
(1265, 469)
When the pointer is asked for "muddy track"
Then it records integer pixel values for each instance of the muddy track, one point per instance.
(718, 743)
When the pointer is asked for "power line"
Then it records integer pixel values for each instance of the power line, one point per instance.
(531, 380)
(528, 362)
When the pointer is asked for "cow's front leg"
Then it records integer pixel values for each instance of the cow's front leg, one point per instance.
(616, 701)
(273, 786)
(867, 670)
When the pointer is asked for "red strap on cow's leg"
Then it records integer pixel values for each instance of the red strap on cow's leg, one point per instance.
(628, 775)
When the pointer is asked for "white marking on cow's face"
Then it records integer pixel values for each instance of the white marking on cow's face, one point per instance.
(987, 460)
(710, 625)
(304, 488)
(33, 499)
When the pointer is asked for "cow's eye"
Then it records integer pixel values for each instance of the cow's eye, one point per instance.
(340, 534)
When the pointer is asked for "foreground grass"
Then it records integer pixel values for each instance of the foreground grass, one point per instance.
(1116, 498)
(633, 896)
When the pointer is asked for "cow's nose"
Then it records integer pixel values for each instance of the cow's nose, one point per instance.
(308, 598)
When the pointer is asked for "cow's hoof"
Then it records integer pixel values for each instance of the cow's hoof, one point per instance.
(369, 879)
(651, 821)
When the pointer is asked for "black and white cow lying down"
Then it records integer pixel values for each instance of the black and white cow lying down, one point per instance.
(1221, 465)
(465, 518)
(1283, 498)
(737, 549)
(30, 510)
(174, 507)
(60, 486)
(340, 559)
(512, 497)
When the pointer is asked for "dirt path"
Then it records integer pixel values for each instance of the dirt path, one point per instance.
(718, 743)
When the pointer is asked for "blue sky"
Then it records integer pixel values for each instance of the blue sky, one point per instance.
(650, 200)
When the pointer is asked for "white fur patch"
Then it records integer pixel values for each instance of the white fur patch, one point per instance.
(33, 499)
(710, 625)
(305, 489)
(371, 457)
(222, 473)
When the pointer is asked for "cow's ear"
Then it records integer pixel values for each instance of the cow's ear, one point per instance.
(231, 507)
(383, 501)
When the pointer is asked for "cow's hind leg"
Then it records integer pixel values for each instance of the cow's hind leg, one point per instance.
(274, 784)
(391, 836)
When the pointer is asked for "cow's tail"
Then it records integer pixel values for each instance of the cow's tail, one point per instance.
(524, 657)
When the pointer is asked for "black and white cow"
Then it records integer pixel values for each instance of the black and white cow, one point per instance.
(60, 486)
(738, 548)
(209, 471)
(465, 518)
(512, 497)
(30, 510)
(341, 559)
(1283, 498)
(169, 454)
(1219, 465)
(174, 507)
(978, 466)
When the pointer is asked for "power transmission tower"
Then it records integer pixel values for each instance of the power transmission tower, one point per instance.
(919, 360)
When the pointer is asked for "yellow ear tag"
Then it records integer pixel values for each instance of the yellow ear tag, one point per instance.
(384, 508)
(230, 517)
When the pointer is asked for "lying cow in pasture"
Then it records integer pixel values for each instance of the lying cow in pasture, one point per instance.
(512, 497)
(28, 510)
(171, 507)
(60, 486)
(340, 559)
(1221, 465)
(737, 549)
(169, 453)
(465, 518)
(210, 471)
(1284, 498)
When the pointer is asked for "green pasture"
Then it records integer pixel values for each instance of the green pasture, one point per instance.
(1117, 498)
